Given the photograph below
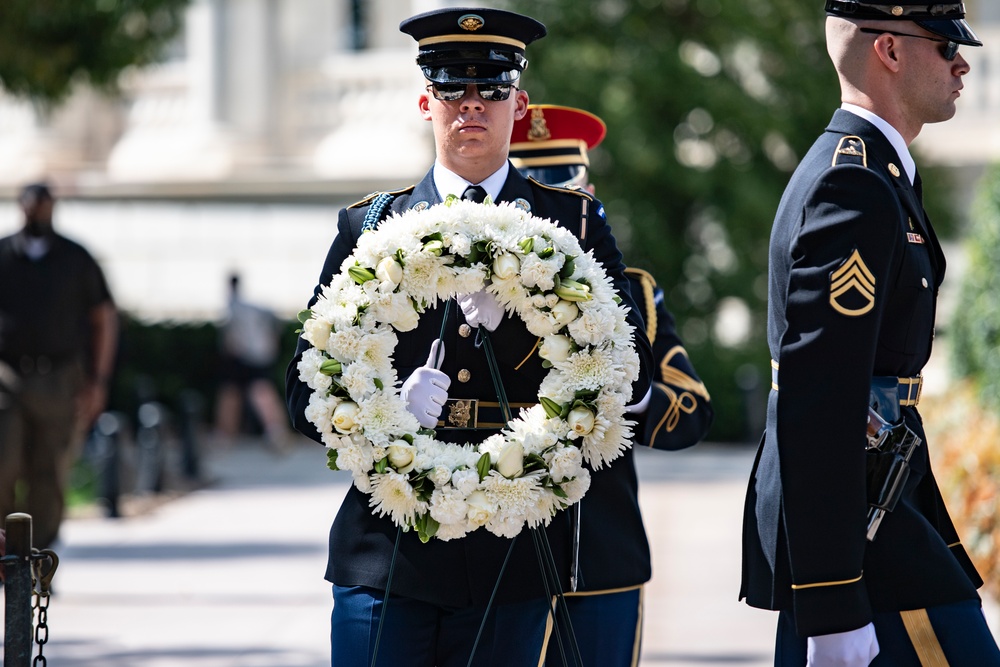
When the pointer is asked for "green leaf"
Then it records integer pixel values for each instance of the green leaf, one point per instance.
(568, 267)
(483, 466)
(382, 465)
(558, 491)
(552, 409)
(378, 384)
(331, 459)
(304, 315)
(360, 274)
(427, 527)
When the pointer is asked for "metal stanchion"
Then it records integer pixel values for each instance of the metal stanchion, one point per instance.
(18, 592)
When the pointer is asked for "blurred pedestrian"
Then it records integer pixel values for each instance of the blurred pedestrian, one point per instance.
(249, 343)
(472, 60)
(58, 336)
(854, 273)
(551, 144)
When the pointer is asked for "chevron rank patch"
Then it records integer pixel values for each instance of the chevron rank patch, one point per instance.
(852, 287)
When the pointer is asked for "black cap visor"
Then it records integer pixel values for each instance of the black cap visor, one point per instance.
(957, 30)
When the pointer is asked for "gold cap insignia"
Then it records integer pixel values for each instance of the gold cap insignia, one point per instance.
(852, 287)
(470, 70)
(894, 170)
(471, 22)
(897, 11)
(539, 130)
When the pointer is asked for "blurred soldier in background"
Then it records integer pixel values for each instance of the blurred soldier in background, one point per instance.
(58, 336)
(550, 144)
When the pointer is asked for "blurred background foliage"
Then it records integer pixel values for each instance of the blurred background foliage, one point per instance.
(48, 46)
(709, 106)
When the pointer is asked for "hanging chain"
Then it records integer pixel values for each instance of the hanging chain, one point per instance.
(41, 586)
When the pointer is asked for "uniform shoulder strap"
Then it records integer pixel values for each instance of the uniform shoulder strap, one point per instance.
(851, 150)
(377, 207)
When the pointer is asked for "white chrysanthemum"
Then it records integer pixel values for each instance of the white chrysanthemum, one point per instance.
(392, 494)
(588, 369)
(396, 309)
(564, 463)
(556, 386)
(452, 531)
(467, 280)
(384, 414)
(448, 505)
(355, 454)
(319, 411)
(465, 481)
(362, 481)
(458, 243)
(510, 293)
(492, 446)
(309, 372)
(592, 325)
(533, 430)
(576, 488)
(515, 499)
(541, 273)
(359, 380)
(606, 442)
(423, 274)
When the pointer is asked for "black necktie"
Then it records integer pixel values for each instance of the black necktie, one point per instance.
(476, 193)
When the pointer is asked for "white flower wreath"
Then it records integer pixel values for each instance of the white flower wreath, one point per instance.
(534, 466)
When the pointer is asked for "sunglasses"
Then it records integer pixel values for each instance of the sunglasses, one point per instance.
(452, 92)
(948, 51)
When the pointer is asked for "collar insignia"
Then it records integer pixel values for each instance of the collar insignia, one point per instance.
(894, 170)
(522, 204)
(419, 206)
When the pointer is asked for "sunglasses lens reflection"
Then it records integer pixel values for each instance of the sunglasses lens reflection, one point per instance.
(452, 92)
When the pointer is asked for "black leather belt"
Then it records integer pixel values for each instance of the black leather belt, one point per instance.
(904, 390)
(469, 413)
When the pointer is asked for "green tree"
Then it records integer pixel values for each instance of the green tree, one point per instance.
(709, 106)
(47, 46)
(976, 324)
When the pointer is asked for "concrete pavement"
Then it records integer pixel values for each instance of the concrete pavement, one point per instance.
(231, 575)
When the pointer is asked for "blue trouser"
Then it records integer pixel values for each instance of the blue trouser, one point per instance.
(420, 634)
(955, 632)
(608, 629)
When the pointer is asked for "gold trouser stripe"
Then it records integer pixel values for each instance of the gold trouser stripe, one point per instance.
(537, 341)
(821, 584)
(638, 631)
(549, 623)
(924, 640)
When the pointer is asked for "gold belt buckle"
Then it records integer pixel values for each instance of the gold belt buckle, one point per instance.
(460, 413)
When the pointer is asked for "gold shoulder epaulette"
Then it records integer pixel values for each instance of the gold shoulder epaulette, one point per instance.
(367, 200)
(851, 150)
(649, 298)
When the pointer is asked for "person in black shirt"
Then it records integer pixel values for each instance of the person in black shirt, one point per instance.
(58, 333)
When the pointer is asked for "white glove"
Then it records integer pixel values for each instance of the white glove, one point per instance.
(426, 390)
(640, 407)
(855, 648)
(481, 308)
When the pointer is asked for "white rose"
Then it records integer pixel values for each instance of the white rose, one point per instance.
(510, 463)
(564, 312)
(388, 270)
(401, 456)
(506, 266)
(556, 348)
(316, 332)
(581, 421)
(344, 416)
(480, 508)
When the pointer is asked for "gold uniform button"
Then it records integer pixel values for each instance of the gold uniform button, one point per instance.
(464, 375)
(894, 170)
(465, 331)
(923, 281)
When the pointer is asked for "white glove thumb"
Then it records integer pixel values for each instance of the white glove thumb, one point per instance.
(481, 308)
(426, 390)
(854, 648)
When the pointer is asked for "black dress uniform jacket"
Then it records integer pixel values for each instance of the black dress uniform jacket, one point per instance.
(855, 269)
(614, 549)
(463, 572)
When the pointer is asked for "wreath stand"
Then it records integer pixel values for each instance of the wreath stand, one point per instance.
(543, 550)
